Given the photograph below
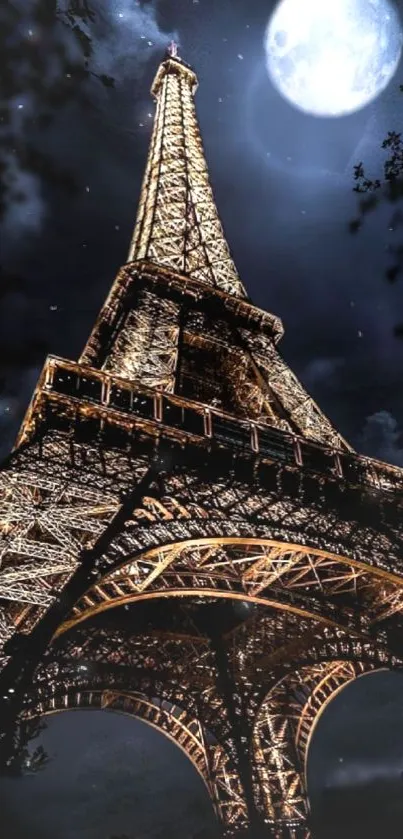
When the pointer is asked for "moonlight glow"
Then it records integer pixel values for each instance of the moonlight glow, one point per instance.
(332, 57)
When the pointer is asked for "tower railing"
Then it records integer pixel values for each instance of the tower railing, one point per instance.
(125, 404)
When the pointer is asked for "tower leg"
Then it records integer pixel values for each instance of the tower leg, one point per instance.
(27, 651)
(240, 736)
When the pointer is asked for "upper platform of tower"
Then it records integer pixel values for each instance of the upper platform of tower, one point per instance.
(177, 223)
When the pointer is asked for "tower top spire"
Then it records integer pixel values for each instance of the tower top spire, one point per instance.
(173, 49)
(178, 226)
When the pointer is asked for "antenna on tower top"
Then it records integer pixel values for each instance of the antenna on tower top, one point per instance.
(173, 49)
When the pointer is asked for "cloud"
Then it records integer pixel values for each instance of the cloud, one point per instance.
(122, 35)
(25, 210)
(26, 213)
(321, 370)
(382, 438)
(126, 34)
(356, 772)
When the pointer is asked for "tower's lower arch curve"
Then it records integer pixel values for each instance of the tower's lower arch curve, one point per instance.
(307, 580)
(208, 757)
(282, 735)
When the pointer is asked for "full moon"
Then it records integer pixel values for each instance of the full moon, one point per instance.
(330, 58)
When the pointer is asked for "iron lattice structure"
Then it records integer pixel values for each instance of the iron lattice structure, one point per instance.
(184, 535)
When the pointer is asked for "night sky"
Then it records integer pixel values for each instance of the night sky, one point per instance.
(283, 184)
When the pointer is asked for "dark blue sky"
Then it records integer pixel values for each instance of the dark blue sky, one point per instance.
(283, 185)
(118, 776)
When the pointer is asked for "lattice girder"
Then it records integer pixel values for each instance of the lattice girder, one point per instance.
(57, 495)
(147, 324)
(180, 668)
(177, 222)
(299, 579)
(146, 347)
(280, 722)
(209, 758)
(48, 516)
(283, 730)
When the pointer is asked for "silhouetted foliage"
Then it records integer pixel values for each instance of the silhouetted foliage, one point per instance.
(46, 49)
(389, 189)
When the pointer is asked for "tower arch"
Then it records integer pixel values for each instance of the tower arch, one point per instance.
(283, 731)
(209, 757)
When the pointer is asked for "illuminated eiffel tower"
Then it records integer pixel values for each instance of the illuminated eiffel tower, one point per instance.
(184, 535)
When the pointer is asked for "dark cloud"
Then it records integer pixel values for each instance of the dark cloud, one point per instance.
(382, 438)
(53, 55)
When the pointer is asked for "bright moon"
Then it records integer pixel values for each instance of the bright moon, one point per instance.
(332, 57)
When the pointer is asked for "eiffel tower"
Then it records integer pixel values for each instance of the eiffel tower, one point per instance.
(184, 535)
